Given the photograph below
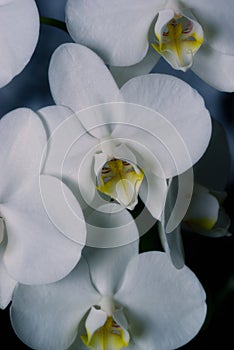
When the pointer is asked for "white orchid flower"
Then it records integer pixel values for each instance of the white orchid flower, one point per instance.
(206, 214)
(32, 248)
(114, 299)
(19, 23)
(132, 35)
(120, 142)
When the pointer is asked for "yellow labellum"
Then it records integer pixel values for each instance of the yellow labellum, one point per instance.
(121, 181)
(108, 337)
(178, 42)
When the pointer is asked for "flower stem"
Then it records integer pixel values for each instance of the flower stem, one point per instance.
(54, 23)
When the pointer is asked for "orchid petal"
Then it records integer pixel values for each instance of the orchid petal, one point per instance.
(48, 316)
(19, 26)
(7, 284)
(153, 193)
(78, 88)
(30, 232)
(111, 261)
(123, 74)
(116, 30)
(172, 98)
(70, 151)
(22, 141)
(172, 245)
(215, 68)
(217, 22)
(169, 295)
(110, 226)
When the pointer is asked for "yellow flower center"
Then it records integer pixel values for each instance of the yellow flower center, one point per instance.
(121, 181)
(108, 337)
(178, 41)
(201, 223)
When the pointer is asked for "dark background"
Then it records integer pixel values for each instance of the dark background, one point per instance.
(212, 260)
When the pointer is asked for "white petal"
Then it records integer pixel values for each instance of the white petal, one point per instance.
(215, 161)
(174, 306)
(215, 68)
(7, 284)
(216, 19)
(67, 216)
(19, 27)
(110, 262)
(153, 193)
(37, 252)
(111, 226)
(48, 316)
(79, 78)
(173, 245)
(22, 141)
(183, 119)
(69, 154)
(116, 30)
(123, 74)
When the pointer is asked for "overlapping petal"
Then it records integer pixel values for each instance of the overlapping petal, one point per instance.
(217, 21)
(19, 26)
(78, 88)
(30, 232)
(7, 284)
(54, 311)
(123, 74)
(178, 296)
(19, 129)
(29, 229)
(215, 68)
(172, 98)
(116, 30)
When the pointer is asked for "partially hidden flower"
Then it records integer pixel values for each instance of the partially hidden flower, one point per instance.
(114, 299)
(19, 26)
(206, 213)
(118, 143)
(32, 247)
(132, 35)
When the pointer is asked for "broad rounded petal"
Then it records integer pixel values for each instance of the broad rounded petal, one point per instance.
(22, 141)
(79, 78)
(123, 74)
(110, 226)
(7, 284)
(48, 316)
(153, 193)
(31, 232)
(184, 118)
(113, 260)
(69, 154)
(117, 30)
(63, 209)
(174, 305)
(217, 22)
(216, 161)
(215, 68)
(19, 26)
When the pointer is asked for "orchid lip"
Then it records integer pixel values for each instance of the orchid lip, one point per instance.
(120, 180)
(177, 38)
(103, 332)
